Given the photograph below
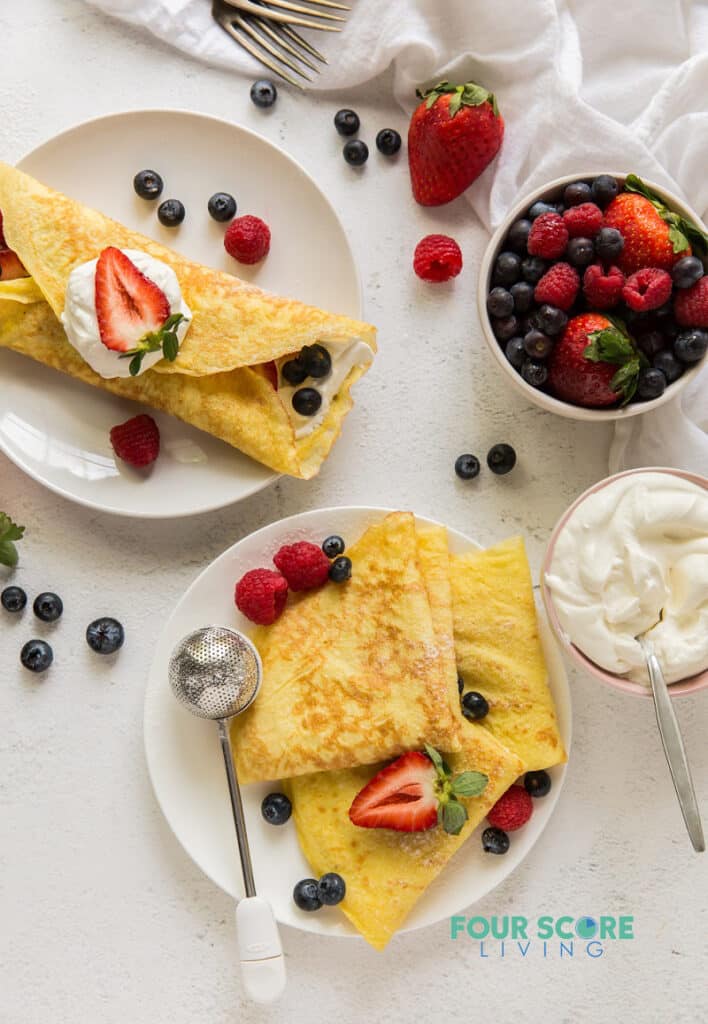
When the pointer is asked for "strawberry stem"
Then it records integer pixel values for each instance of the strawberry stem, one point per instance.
(451, 813)
(682, 231)
(468, 95)
(165, 338)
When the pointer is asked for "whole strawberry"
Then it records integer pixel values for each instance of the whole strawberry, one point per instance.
(691, 304)
(654, 235)
(453, 135)
(594, 364)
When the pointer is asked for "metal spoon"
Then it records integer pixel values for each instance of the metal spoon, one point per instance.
(216, 673)
(673, 746)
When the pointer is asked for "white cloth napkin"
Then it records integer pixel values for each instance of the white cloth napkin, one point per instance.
(582, 86)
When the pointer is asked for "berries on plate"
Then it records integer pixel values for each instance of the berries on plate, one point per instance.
(474, 706)
(346, 122)
(333, 546)
(437, 258)
(247, 239)
(36, 656)
(538, 783)
(602, 288)
(512, 810)
(304, 565)
(340, 569)
(686, 271)
(129, 305)
(495, 840)
(263, 93)
(331, 889)
(594, 363)
(501, 459)
(13, 599)
(137, 441)
(690, 346)
(306, 895)
(558, 287)
(691, 305)
(48, 607)
(171, 213)
(388, 141)
(260, 595)
(583, 221)
(222, 206)
(548, 236)
(467, 466)
(454, 133)
(307, 401)
(148, 184)
(276, 808)
(105, 635)
(355, 152)
(646, 289)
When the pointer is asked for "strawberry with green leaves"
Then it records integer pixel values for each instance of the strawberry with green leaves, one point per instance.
(455, 132)
(9, 533)
(595, 363)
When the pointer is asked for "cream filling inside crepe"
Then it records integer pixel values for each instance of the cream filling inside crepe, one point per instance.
(344, 359)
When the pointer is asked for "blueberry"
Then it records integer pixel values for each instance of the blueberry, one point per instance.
(540, 207)
(341, 569)
(346, 122)
(388, 142)
(307, 401)
(105, 635)
(533, 268)
(307, 895)
(538, 345)
(576, 193)
(48, 607)
(170, 213)
(333, 546)
(551, 320)
(460, 685)
(505, 328)
(515, 352)
(294, 371)
(691, 345)
(13, 599)
(276, 808)
(331, 889)
(507, 268)
(651, 342)
(580, 252)
(537, 783)
(522, 294)
(36, 655)
(518, 235)
(467, 466)
(148, 184)
(501, 458)
(530, 323)
(495, 840)
(535, 374)
(263, 93)
(609, 243)
(500, 303)
(474, 705)
(317, 360)
(651, 384)
(687, 271)
(604, 189)
(668, 364)
(222, 206)
(355, 152)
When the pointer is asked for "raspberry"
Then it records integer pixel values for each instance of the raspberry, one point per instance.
(137, 441)
(548, 236)
(603, 290)
(437, 258)
(247, 239)
(583, 221)
(691, 305)
(647, 289)
(303, 565)
(261, 595)
(558, 287)
(512, 810)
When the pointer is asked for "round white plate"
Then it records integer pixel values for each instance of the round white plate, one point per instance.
(55, 428)
(187, 770)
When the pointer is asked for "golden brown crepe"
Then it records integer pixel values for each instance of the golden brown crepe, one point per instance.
(235, 327)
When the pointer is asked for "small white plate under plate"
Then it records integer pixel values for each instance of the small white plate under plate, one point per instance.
(55, 428)
(187, 770)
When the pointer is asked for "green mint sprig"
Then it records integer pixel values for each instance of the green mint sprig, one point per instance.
(9, 533)
(682, 231)
(451, 813)
(165, 339)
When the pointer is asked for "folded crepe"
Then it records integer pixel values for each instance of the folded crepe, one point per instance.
(217, 382)
(499, 651)
(352, 673)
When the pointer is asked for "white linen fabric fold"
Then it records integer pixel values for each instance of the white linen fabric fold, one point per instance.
(582, 86)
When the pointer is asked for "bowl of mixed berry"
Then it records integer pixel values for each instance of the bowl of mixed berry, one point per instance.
(593, 296)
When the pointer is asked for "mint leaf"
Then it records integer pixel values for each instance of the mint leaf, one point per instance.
(436, 759)
(610, 345)
(9, 533)
(469, 784)
(135, 363)
(454, 817)
(170, 347)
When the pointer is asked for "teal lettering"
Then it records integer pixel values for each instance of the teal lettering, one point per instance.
(545, 927)
(476, 932)
(500, 930)
(518, 927)
(559, 927)
(457, 925)
(626, 927)
(607, 928)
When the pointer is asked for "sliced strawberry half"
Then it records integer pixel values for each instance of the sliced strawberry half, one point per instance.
(128, 304)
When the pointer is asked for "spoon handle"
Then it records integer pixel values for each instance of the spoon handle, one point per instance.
(675, 752)
(237, 808)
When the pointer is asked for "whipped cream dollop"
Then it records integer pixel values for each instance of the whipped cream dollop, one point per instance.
(632, 558)
(81, 323)
(344, 358)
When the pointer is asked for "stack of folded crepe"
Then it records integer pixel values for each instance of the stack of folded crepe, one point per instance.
(358, 674)
(217, 382)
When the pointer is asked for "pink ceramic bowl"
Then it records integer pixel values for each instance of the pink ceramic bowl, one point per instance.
(689, 685)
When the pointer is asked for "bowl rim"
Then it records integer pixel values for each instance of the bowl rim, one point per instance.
(691, 684)
(540, 398)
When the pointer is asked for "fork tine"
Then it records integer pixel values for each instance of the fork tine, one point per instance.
(248, 7)
(262, 41)
(301, 41)
(281, 40)
(328, 3)
(224, 21)
(286, 5)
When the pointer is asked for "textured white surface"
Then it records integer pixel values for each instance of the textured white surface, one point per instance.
(103, 917)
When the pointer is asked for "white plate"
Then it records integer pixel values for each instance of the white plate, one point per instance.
(187, 771)
(55, 428)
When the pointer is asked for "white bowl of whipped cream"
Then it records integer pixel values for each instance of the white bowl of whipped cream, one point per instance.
(630, 557)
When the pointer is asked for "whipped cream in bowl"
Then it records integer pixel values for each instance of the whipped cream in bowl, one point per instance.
(630, 557)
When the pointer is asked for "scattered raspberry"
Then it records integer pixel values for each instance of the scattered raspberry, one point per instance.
(512, 810)
(603, 290)
(646, 289)
(261, 595)
(548, 237)
(303, 565)
(247, 239)
(137, 441)
(583, 221)
(437, 258)
(691, 305)
(559, 286)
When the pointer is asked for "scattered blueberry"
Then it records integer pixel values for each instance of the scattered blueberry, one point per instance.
(604, 189)
(537, 345)
(551, 320)
(576, 193)
(580, 252)
(540, 207)
(341, 569)
(522, 294)
(264, 93)
(500, 303)
(306, 894)
(495, 840)
(13, 599)
(507, 268)
(276, 808)
(333, 546)
(36, 655)
(505, 328)
(651, 384)
(460, 685)
(691, 345)
(609, 243)
(148, 184)
(317, 360)
(668, 364)
(537, 783)
(355, 152)
(467, 466)
(170, 213)
(687, 271)
(294, 371)
(535, 374)
(388, 142)
(501, 458)
(222, 206)
(651, 342)
(518, 235)
(105, 635)
(331, 889)
(515, 352)
(533, 268)
(307, 401)
(474, 705)
(48, 607)
(346, 122)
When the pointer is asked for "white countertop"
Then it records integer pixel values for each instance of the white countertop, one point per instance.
(104, 918)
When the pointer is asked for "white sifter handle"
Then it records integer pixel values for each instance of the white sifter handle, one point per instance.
(260, 950)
